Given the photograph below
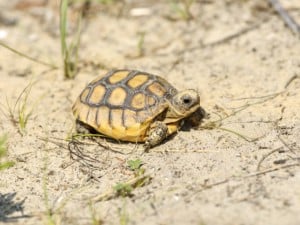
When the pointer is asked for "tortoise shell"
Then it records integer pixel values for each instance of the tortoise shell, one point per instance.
(124, 103)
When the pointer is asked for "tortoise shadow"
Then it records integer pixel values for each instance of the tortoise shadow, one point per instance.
(189, 123)
(194, 120)
(9, 206)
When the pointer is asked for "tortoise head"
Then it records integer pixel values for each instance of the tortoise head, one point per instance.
(183, 104)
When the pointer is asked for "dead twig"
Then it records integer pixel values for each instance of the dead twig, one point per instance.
(271, 170)
(255, 174)
(288, 20)
(225, 39)
(233, 36)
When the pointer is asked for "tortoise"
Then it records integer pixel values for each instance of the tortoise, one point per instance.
(134, 106)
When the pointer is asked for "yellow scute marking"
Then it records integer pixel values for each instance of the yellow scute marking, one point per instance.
(136, 133)
(117, 96)
(144, 116)
(129, 118)
(157, 89)
(118, 76)
(84, 94)
(97, 95)
(91, 117)
(118, 130)
(138, 101)
(79, 109)
(82, 112)
(103, 120)
(116, 118)
(137, 81)
(150, 101)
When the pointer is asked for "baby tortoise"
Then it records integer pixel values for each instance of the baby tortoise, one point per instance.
(135, 106)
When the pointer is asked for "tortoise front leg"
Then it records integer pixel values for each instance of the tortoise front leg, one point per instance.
(157, 133)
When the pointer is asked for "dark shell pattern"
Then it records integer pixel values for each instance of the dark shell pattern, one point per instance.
(123, 98)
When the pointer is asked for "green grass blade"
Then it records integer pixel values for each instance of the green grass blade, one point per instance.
(69, 52)
(3, 147)
(63, 26)
(3, 152)
(6, 165)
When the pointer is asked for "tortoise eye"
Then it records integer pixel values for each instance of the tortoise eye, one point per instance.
(186, 100)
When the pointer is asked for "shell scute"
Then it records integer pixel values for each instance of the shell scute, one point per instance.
(103, 118)
(91, 116)
(137, 80)
(118, 76)
(138, 101)
(157, 89)
(97, 94)
(117, 96)
(116, 121)
(84, 94)
(129, 118)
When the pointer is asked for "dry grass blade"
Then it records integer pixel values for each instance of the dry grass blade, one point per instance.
(291, 80)
(249, 139)
(84, 148)
(105, 142)
(77, 154)
(28, 57)
(273, 169)
(218, 123)
(266, 156)
(206, 186)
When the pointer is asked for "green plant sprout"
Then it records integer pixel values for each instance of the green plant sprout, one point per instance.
(69, 52)
(95, 219)
(123, 189)
(183, 8)
(3, 153)
(124, 217)
(140, 45)
(20, 113)
(135, 165)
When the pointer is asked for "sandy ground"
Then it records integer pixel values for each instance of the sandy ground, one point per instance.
(245, 170)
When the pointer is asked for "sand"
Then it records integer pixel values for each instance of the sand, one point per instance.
(241, 166)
